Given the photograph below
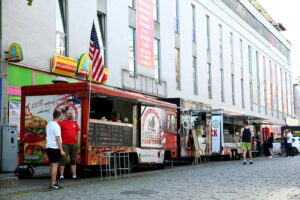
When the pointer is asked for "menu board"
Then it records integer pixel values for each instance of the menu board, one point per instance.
(110, 134)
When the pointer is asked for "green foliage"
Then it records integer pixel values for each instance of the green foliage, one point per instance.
(29, 2)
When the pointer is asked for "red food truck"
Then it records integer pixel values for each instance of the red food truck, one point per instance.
(111, 120)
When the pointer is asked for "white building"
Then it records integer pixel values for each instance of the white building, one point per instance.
(224, 53)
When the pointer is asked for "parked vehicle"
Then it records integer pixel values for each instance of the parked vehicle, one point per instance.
(111, 120)
(296, 145)
(277, 149)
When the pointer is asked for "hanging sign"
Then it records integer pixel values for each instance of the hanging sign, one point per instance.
(83, 65)
(15, 53)
(63, 65)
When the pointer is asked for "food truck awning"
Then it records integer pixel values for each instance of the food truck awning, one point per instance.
(85, 89)
(238, 115)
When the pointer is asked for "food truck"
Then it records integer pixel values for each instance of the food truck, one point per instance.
(110, 119)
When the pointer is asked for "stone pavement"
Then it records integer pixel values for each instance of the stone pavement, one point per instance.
(276, 178)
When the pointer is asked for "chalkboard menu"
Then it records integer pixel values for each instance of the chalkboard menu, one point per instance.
(110, 134)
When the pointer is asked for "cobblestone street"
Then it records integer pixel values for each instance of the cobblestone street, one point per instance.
(276, 178)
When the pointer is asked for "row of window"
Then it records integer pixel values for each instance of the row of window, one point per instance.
(278, 85)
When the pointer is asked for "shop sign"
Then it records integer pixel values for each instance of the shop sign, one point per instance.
(84, 65)
(63, 65)
(216, 133)
(153, 127)
(15, 53)
(38, 112)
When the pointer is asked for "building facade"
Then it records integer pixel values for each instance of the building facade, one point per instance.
(223, 53)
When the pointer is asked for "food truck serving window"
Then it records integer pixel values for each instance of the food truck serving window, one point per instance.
(171, 123)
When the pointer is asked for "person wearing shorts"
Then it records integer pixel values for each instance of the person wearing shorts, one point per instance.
(70, 133)
(54, 147)
(246, 142)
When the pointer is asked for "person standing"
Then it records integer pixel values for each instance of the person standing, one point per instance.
(54, 148)
(258, 143)
(246, 142)
(71, 141)
(285, 132)
(289, 141)
(270, 145)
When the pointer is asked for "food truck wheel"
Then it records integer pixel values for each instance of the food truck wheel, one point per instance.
(24, 171)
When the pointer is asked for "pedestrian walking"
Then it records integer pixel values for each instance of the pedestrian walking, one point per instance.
(289, 141)
(246, 142)
(70, 142)
(54, 148)
(270, 145)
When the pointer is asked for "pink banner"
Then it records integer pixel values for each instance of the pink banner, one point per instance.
(274, 88)
(145, 33)
(284, 92)
(268, 86)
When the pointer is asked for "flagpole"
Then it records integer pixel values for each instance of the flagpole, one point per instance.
(91, 75)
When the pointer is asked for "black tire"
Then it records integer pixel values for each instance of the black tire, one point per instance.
(295, 150)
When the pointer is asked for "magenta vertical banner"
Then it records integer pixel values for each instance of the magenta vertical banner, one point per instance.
(268, 86)
(274, 87)
(145, 33)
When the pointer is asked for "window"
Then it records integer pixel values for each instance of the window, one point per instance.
(177, 69)
(265, 85)
(232, 89)
(131, 3)
(221, 40)
(102, 35)
(282, 94)
(171, 124)
(157, 58)
(242, 56)
(276, 90)
(194, 23)
(250, 75)
(208, 31)
(132, 56)
(243, 94)
(258, 80)
(222, 85)
(176, 13)
(156, 10)
(195, 80)
(61, 28)
(231, 48)
(250, 58)
(251, 96)
(209, 82)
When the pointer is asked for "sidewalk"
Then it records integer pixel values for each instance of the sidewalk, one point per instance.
(40, 180)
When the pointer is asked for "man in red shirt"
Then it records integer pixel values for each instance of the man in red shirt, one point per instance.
(70, 133)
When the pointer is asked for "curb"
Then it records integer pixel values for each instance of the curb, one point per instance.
(8, 182)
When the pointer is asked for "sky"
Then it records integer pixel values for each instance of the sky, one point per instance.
(287, 13)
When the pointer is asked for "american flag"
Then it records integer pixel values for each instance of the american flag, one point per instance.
(96, 57)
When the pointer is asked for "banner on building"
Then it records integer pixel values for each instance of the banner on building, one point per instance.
(145, 33)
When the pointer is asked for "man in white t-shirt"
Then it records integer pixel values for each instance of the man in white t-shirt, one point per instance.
(289, 137)
(54, 147)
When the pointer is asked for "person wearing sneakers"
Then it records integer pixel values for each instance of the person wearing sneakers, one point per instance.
(54, 147)
(246, 142)
(70, 133)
